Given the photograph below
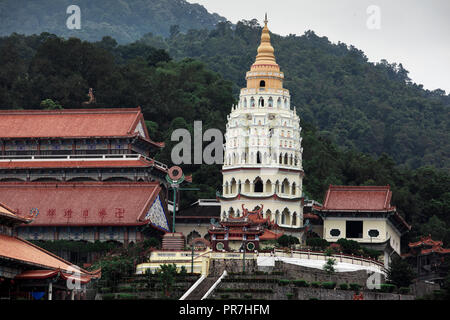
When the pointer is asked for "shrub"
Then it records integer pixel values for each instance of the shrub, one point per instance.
(328, 285)
(403, 290)
(315, 284)
(289, 296)
(286, 240)
(354, 286)
(105, 290)
(284, 282)
(386, 287)
(108, 296)
(126, 296)
(300, 283)
(247, 296)
(343, 286)
(317, 243)
(349, 246)
(125, 288)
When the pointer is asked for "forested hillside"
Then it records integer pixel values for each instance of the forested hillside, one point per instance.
(374, 108)
(125, 20)
(48, 72)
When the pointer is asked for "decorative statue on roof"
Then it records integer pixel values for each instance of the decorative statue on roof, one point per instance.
(91, 98)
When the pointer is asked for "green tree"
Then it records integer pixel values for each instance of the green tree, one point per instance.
(167, 276)
(400, 273)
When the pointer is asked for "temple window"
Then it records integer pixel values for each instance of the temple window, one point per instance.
(262, 84)
(354, 229)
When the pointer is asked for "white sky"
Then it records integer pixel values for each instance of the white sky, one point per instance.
(415, 33)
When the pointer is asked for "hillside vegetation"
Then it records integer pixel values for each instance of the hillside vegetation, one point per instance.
(124, 20)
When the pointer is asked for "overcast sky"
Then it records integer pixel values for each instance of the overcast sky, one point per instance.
(415, 33)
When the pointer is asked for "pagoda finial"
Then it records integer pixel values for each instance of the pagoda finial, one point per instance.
(265, 49)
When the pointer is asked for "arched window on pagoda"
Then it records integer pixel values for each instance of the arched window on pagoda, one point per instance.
(258, 158)
(286, 217)
(259, 186)
(285, 186)
(277, 217)
(270, 105)
(247, 186)
(279, 103)
(294, 219)
(261, 102)
(245, 102)
(294, 187)
(262, 84)
(268, 186)
(252, 102)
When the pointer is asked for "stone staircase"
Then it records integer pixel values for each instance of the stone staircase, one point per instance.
(173, 241)
(203, 288)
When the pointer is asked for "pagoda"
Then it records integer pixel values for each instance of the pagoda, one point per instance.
(263, 153)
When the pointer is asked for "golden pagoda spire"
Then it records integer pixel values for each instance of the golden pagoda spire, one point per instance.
(265, 50)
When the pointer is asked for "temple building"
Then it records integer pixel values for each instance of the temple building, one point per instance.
(244, 232)
(363, 214)
(88, 172)
(77, 145)
(30, 272)
(263, 153)
(427, 257)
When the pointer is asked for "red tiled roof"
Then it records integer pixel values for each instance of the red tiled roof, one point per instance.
(11, 215)
(82, 203)
(358, 198)
(425, 241)
(73, 123)
(310, 216)
(270, 235)
(13, 248)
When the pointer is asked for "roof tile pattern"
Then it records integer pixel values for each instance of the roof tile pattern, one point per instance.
(82, 203)
(21, 250)
(71, 123)
(358, 198)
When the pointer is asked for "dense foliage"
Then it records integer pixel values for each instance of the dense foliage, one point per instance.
(126, 21)
(400, 273)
